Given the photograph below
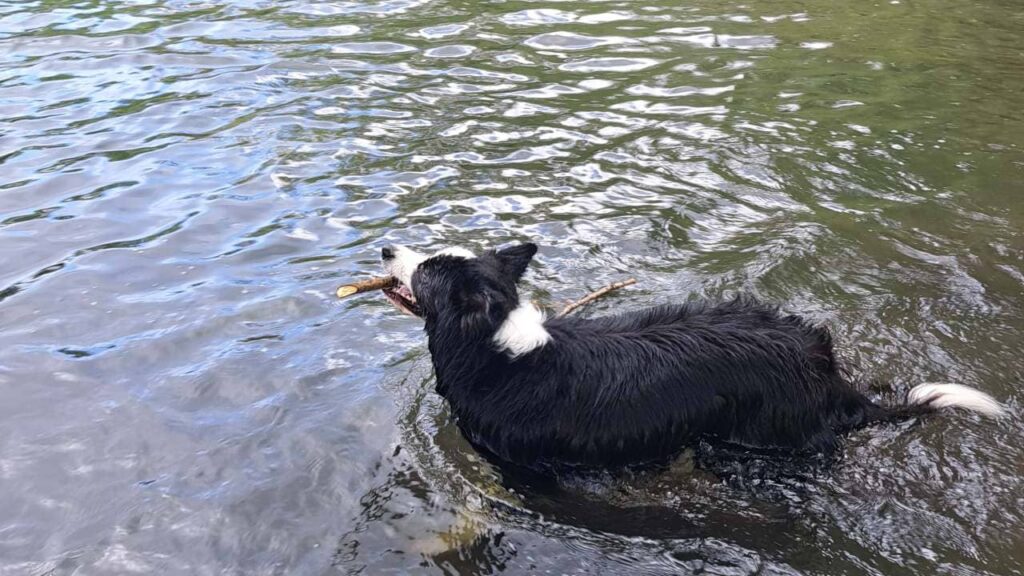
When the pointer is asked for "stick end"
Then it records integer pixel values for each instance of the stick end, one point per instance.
(345, 291)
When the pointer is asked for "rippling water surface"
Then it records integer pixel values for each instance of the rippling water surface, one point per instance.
(183, 184)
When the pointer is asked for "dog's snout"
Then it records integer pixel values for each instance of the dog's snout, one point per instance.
(387, 253)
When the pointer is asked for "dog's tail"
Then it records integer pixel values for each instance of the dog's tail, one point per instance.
(933, 396)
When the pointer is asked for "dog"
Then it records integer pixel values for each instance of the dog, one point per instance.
(633, 388)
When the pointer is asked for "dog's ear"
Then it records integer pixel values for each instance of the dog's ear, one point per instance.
(515, 259)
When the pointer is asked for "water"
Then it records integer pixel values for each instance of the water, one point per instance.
(183, 185)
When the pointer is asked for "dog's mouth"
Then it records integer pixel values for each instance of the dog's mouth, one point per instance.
(401, 296)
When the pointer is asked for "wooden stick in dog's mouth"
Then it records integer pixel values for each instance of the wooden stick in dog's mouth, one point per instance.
(395, 291)
(375, 283)
(402, 298)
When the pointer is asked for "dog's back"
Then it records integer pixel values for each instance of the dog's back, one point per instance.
(639, 386)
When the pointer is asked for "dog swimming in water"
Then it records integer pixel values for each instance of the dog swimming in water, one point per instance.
(633, 388)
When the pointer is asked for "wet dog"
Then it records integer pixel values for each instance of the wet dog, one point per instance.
(632, 388)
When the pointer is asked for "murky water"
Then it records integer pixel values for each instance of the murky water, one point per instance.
(183, 184)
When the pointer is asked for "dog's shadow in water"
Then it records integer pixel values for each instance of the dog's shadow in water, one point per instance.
(755, 500)
(708, 490)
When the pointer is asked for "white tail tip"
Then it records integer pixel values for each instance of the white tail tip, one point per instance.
(955, 396)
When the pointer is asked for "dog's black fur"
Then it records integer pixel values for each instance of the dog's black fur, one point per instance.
(631, 388)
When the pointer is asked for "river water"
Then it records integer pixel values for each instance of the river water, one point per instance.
(184, 183)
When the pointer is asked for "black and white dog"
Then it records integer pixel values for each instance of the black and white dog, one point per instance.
(632, 388)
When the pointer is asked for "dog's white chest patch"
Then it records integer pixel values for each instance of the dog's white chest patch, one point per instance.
(522, 331)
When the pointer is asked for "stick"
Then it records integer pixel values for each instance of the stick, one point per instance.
(379, 282)
(594, 296)
(375, 283)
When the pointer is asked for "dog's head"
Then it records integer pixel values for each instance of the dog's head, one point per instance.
(456, 284)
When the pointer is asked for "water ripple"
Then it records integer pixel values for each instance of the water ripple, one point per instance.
(184, 183)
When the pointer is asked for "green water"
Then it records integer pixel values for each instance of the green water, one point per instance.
(183, 185)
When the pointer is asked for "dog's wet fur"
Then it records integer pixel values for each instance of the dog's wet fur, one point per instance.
(632, 388)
